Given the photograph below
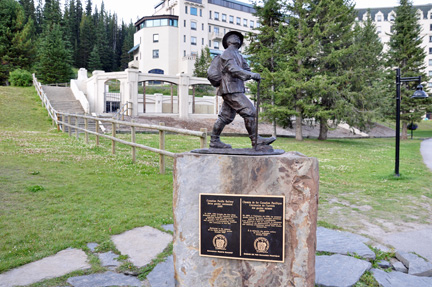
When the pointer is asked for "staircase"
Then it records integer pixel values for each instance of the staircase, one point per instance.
(63, 100)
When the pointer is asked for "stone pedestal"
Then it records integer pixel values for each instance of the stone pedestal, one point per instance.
(292, 175)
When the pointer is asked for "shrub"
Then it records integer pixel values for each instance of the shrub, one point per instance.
(20, 78)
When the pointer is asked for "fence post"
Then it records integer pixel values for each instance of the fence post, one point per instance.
(58, 122)
(76, 126)
(133, 141)
(97, 132)
(113, 126)
(204, 138)
(86, 133)
(162, 147)
(69, 126)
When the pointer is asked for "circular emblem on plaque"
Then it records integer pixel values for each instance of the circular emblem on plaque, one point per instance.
(261, 245)
(220, 242)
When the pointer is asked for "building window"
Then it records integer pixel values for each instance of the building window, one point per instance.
(186, 8)
(194, 54)
(430, 50)
(155, 38)
(202, 26)
(223, 17)
(210, 14)
(231, 19)
(184, 53)
(430, 39)
(379, 18)
(194, 11)
(184, 38)
(155, 54)
(245, 22)
(429, 85)
(184, 23)
(216, 16)
(193, 40)
(379, 29)
(430, 73)
(209, 29)
(430, 27)
(252, 23)
(202, 41)
(200, 12)
(216, 45)
(216, 30)
(238, 21)
(193, 25)
(391, 17)
(209, 43)
(257, 24)
(430, 62)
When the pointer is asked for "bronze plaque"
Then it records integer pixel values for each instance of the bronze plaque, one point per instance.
(242, 227)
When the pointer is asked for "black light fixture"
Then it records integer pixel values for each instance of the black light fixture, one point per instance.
(418, 94)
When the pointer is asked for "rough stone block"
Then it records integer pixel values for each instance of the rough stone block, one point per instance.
(292, 175)
(105, 279)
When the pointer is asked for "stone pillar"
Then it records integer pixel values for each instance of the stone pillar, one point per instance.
(183, 96)
(131, 90)
(158, 103)
(291, 175)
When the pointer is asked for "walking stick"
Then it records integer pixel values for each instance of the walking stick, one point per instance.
(257, 112)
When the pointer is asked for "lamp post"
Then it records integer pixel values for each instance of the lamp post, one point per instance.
(418, 94)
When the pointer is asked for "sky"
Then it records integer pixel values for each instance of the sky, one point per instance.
(134, 10)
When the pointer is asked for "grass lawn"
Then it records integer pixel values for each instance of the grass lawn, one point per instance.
(56, 192)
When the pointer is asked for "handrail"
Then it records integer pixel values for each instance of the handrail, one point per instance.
(61, 124)
(122, 111)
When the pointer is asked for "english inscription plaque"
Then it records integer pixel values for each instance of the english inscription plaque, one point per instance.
(242, 227)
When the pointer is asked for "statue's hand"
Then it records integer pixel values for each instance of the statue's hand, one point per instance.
(256, 76)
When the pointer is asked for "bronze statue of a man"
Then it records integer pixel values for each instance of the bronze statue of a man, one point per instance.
(234, 71)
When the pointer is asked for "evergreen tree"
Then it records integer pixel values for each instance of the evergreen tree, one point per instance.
(86, 41)
(406, 52)
(202, 63)
(265, 53)
(125, 57)
(54, 60)
(89, 8)
(94, 60)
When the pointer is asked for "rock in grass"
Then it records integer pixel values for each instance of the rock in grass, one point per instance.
(399, 279)
(415, 264)
(105, 279)
(339, 270)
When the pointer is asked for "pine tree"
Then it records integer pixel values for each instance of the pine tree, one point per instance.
(54, 60)
(94, 60)
(202, 63)
(86, 42)
(265, 53)
(89, 8)
(406, 52)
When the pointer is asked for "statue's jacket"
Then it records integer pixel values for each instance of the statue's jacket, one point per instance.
(235, 71)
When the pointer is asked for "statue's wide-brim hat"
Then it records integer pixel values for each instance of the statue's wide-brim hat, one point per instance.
(225, 38)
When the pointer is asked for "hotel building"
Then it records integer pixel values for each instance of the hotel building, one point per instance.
(169, 41)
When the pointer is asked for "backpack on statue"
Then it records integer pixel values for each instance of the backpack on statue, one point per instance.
(214, 72)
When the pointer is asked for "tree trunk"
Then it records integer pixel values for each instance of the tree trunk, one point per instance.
(404, 135)
(274, 119)
(298, 127)
(323, 130)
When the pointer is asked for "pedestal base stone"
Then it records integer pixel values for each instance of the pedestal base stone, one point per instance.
(291, 174)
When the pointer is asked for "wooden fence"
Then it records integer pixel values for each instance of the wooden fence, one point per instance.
(71, 121)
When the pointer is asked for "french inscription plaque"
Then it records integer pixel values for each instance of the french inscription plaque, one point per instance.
(242, 227)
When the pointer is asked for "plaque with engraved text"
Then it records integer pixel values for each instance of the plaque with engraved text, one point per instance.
(242, 227)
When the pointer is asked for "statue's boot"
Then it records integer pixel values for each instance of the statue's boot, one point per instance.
(260, 141)
(215, 141)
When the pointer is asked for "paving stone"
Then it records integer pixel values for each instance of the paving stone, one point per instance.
(415, 264)
(340, 242)
(92, 246)
(339, 270)
(384, 264)
(418, 241)
(105, 279)
(62, 263)
(108, 259)
(399, 279)
(168, 227)
(398, 266)
(142, 244)
(163, 274)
